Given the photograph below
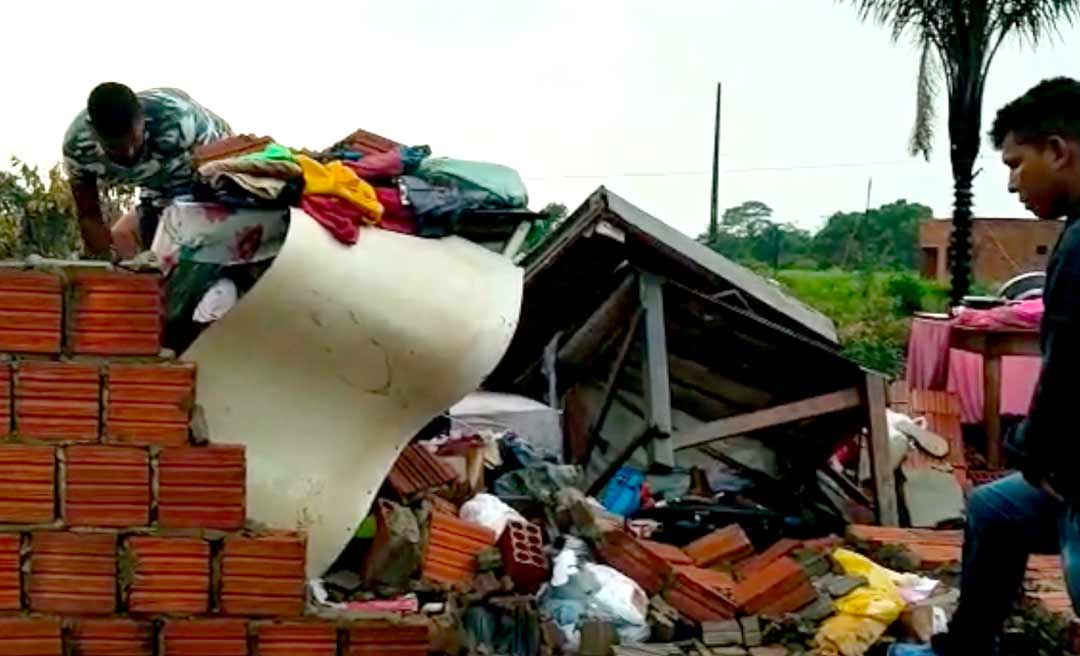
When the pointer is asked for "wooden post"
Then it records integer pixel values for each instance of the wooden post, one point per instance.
(888, 511)
(609, 388)
(992, 408)
(654, 371)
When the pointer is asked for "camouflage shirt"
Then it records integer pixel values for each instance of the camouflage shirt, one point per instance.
(175, 126)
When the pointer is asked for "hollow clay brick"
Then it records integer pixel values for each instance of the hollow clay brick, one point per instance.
(31, 312)
(204, 637)
(57, 401)
(263, 576)
(727, 545)
(769, 585)
(30, 636)
(107, 486)
(28, 495)
(202, 487)
(149, 403)
(169, 575)
(522, 548)
(114, 636)
(10, 563)
(318, 638)
(114, 313)
(72, 573)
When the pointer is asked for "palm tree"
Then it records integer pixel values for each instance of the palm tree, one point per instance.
(959, 39)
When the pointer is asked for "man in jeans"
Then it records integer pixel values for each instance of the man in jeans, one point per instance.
(1038, 135)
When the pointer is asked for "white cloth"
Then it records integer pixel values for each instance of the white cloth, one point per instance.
(217, 300)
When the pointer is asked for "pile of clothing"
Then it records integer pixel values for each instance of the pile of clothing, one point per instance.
(213, 245)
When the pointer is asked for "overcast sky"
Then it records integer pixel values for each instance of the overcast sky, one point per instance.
(573, 94)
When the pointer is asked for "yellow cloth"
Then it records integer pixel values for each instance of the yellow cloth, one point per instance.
(336, 179)
(864, 615)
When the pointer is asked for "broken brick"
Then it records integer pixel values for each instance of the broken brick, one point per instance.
(263, 576)
(10, 564)
(523, 557)
(378, 637)
(791, 601)
(202, 487)
(106, 486)
(72, 573)
(721, 581)
(57, 401)
(625, 553)
(696, 599)
(31, 312)
(112, 637)
(209, 637)
(28, 495)
(149, 403)
(770, 588)
(296, 639)
(751, 565)
(169, 575)
(668, 552)
(727, 545)
(30, 636)
(115, 313)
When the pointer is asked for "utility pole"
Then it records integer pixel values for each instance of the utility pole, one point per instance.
(714, 219)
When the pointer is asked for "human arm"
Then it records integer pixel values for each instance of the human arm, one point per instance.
(95, 234)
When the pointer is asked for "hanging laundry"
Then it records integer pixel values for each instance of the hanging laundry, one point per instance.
(340, 217)
(501, 186)
(335, 179)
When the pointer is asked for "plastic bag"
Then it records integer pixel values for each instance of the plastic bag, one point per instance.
(618, 597)
(865, 614)
(489, 511)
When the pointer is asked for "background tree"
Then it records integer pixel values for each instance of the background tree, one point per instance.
(959, 39)
(883, 238)
(37, 213)
(747, 233)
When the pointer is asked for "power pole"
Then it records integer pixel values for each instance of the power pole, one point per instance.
(714, 219)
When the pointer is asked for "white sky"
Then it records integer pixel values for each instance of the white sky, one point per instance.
(573, 94)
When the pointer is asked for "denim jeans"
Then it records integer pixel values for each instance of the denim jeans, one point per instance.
(1007, 521)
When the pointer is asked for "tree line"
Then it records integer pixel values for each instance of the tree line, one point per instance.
(883, 238)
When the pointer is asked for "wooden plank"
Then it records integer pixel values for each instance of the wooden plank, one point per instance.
(655, 369)
(703, 378)
(992, 409)
(1019, 342)
(609, 386)
(613, 313)
(884, 479)
(767, 418)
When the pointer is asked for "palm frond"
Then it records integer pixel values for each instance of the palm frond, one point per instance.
(922, 134)
(1034, 20)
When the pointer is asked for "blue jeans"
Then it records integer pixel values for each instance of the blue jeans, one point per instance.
(1007, 521)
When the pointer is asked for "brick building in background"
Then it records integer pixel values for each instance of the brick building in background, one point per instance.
(1001, 248)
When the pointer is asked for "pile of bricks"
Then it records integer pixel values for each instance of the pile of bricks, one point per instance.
(719, 577)
(118, 535)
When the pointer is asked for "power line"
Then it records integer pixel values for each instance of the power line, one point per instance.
(756, 169)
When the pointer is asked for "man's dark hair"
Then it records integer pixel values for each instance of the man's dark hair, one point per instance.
(1051, 107)
(113, 109)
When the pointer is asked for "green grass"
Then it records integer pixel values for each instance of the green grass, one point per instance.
(872, 310)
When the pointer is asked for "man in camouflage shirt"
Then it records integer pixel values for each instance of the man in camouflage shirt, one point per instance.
(145, 140)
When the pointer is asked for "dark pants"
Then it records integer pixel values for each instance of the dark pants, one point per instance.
(1008, 521)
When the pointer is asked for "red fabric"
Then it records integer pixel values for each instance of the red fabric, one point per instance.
(380, 166)
(932, 365)
(396, 217)
(340, 217)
